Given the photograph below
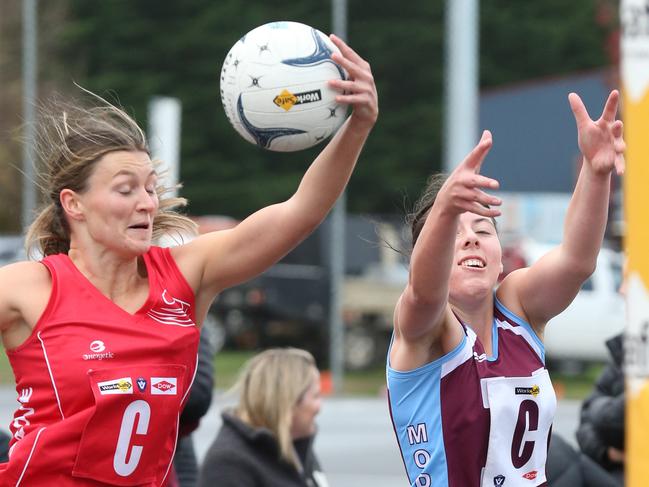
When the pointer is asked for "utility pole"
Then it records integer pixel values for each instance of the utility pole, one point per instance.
(462, 85)
(164, 113)
(337, 247)
(29, 72)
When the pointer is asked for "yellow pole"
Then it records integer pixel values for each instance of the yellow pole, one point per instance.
(635, 91)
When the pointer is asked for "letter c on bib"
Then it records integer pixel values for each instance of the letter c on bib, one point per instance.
(139, 411)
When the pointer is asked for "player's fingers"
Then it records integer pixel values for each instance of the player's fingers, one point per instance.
(355, 70)
(479, 181)
(578, 109)
(466, 195)
(617, 128)
(486, 198)
(610, 108)
(347, 86)
(619, 145)
(480, 209)
(474, 160)
(354, 99)
(620, 164)
(347, 51)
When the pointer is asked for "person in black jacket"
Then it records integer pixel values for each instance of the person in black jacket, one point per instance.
(200, 397)
(601, 429)
(4, 446)
(267, 439)
(567, 467)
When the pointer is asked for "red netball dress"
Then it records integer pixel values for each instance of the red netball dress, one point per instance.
(100, 389)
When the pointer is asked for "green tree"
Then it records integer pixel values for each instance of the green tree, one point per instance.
(527, 40)
(138, 49)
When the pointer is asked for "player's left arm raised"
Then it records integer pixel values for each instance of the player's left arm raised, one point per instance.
(218, 260)
(550, 285)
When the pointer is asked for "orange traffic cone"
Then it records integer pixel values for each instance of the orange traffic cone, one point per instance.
(326, 383)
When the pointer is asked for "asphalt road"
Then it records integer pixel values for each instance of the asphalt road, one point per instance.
(355, 445)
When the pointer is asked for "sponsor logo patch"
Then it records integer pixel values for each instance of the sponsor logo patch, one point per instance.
(288, 100)
(163, 385)
(530, 475)
(116, 386)
(171, 311)
(532, 391)
(99, 352)
(97, 346)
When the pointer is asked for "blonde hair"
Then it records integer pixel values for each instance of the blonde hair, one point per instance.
(270, 386)
(71, 139)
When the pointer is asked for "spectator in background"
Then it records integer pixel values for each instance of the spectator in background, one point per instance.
(267, 439)
(601, 426)
(4, 446)
(200, 398)
(567, 467)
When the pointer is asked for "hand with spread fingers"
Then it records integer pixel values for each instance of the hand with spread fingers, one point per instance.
(359, 90)
(463, 190)
(468, 344)
(600, 141)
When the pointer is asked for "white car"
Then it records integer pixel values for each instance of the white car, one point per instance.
(572, 338)
(579, 333)
(11, 249)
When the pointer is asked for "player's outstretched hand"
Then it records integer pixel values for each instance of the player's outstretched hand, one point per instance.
(359, 90)
(463, 190)
(600, 141)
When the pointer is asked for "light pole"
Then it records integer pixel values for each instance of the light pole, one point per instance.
(461, 76)
(337, 247)
(29, 72)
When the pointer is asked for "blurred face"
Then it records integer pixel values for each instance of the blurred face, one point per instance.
(120, 202)
(477, 261)
(306, 410)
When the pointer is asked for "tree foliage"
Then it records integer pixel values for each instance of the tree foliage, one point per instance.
(134, 50)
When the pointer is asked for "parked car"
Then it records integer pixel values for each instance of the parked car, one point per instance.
(289, 303)
(572, 339)
(11, 249)
(578, 334)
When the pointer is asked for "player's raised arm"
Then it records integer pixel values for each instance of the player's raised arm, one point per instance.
(423, 307)
(550, 285)
(215, 261)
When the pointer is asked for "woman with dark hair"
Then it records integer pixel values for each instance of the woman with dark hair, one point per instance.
(471, 400)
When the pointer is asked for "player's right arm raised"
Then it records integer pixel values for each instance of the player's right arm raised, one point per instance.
(219, 260)
(422, 310)
(550, 285)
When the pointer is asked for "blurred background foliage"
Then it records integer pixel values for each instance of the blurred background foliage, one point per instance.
(130, 51)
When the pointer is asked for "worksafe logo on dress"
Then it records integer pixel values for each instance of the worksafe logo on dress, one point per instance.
(123, 385)
(163, 386)
(98, 351)
(532, 391)
(171, 311)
